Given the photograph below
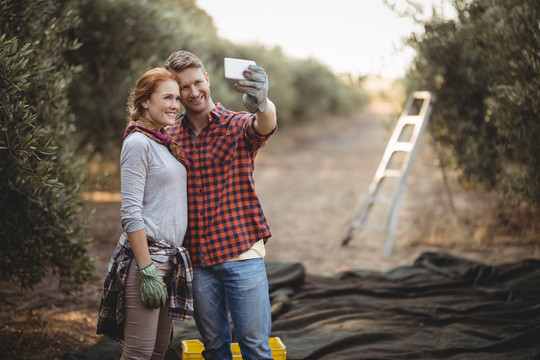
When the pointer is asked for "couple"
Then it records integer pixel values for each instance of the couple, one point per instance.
(202, 257)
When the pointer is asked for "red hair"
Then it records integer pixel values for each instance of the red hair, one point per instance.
(145, 87)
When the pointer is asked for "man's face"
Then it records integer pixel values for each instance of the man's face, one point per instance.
(194, 90)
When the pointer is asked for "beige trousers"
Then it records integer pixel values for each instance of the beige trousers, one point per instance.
(147, 332)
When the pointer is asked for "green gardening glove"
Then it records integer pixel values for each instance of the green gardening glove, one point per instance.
(255, 89)
(153, 289)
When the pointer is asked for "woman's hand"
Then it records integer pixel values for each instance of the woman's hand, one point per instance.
(153, 289)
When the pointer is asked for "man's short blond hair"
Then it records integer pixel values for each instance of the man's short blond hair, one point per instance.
(181, 60)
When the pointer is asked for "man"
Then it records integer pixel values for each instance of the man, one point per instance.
(227, 229)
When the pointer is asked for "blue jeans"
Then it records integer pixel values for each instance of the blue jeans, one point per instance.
(240, 287)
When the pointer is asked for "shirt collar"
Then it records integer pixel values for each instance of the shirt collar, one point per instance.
(215, 114)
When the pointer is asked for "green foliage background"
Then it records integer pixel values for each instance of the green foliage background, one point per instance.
(42, 227)
(484, 68)
(121, 39)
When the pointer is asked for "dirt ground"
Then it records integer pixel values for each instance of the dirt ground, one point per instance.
(311, 180)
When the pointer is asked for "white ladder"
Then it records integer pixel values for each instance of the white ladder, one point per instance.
(396, 164)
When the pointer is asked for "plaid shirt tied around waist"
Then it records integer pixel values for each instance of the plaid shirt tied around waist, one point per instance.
(111, 308)
(225, 217)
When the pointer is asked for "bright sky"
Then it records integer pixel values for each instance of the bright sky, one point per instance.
(355, 36)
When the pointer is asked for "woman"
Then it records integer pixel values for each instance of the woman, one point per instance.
(149, 277)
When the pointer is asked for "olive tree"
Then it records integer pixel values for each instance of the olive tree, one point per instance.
(484, 67)
(42, 222)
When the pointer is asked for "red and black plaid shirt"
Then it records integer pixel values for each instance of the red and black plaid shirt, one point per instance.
(225, 216)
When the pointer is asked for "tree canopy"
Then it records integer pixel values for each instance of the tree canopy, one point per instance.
(484, 67)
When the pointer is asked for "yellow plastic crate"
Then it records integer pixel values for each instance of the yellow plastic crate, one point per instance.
(192, 349)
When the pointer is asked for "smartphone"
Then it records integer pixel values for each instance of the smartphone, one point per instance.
(234, 68)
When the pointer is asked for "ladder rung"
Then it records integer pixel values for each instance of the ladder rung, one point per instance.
(411, 119)
(402, 146)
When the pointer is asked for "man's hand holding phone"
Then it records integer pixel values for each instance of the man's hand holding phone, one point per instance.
(253, 82)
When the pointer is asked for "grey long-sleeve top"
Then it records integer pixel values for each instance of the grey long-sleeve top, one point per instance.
(153, 188)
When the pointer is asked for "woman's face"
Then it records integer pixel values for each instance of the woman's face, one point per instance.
(164, 104)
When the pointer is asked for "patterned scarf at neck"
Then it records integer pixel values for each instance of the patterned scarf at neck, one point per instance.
(159, 134)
